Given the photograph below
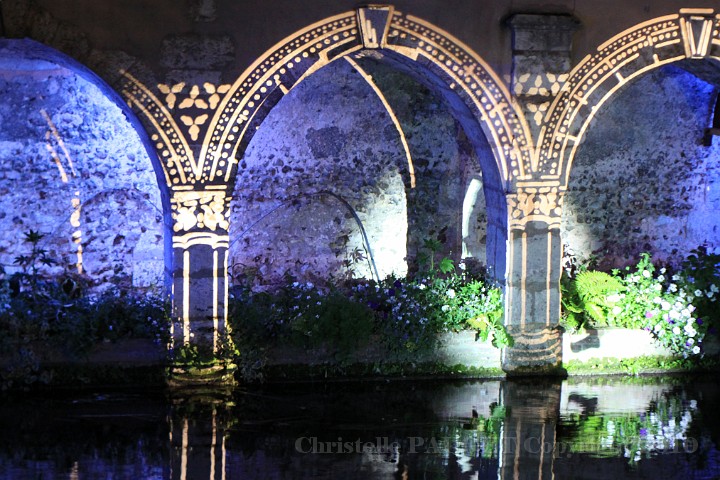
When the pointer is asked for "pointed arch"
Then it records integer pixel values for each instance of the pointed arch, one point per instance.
(481, 101)
(692, 35)
(28, 58)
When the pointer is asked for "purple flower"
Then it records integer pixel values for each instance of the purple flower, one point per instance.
(647, 329)
(391, 292)
(643, 432)
(397, 284)
(699, 321)
(649, 314)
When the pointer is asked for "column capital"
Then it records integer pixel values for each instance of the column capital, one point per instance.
(535, 203)
(200, 210)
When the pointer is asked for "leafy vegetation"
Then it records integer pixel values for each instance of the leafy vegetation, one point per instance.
(404, 315)
(678, 309)
(62, 313)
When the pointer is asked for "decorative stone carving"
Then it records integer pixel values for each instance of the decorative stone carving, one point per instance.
(200, 210)
(535, 203)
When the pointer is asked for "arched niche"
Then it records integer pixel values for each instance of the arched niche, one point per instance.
(644, 179)
(359, 157)
(78, 168)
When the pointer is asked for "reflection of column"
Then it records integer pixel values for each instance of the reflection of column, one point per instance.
(200, 250)
(528, 435)
(532, 309)
(197, 439)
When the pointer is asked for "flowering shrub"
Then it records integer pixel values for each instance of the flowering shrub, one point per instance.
(406, 315)
(664, 304)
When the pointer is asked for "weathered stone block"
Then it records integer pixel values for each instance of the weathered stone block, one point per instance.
(194, 51)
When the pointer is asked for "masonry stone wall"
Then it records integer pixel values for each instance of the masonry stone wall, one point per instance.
(642, 181)
(75, 170)
(331, 140)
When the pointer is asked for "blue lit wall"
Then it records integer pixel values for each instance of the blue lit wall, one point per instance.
(340, 131)
(642, 181)
(75, 168)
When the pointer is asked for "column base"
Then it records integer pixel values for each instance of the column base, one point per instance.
(537, 351)
(215, 375)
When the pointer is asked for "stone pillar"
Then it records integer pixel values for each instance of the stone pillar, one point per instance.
(199, 277)
(542, 47)
(528, 441)
(532, 307)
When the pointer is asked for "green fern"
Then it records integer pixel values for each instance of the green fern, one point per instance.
(585, 297)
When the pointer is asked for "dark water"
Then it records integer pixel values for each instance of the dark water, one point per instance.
(622, 427)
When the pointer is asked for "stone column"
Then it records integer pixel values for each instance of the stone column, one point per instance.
(542, 47)
(199, 277)
(532, 310)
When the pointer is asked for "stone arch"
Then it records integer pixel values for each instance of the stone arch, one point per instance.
(476, 96)
(73, 159)
(691, 36)
(454, 67)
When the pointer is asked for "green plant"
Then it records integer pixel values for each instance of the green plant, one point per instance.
(699, 275)
(408, 315)
(38, 311)
(648, 298)
(589, 298)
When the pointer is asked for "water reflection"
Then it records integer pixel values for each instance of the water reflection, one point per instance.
(660, 427)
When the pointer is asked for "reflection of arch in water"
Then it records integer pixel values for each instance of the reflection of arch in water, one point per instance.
(65, 167)
(476, 96)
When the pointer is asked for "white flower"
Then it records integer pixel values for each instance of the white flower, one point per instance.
(696, 349)
(445, 308)
(422, 286)
(661, 278)
(461, 265)
(646, 274)
(672, 288)
(658, 327)
(674, 314)
(665, 305)
(451, 293)
(698, 293)
(676, 330)
(613, 298)
(691, 341)
(616, 310)
(691, 332)
(662, 270)
(714, 288)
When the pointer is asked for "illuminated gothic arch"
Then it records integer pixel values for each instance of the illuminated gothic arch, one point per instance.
(404, 39)
(56, 192)
(478, 100)
(200, 152)
(692, 35)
